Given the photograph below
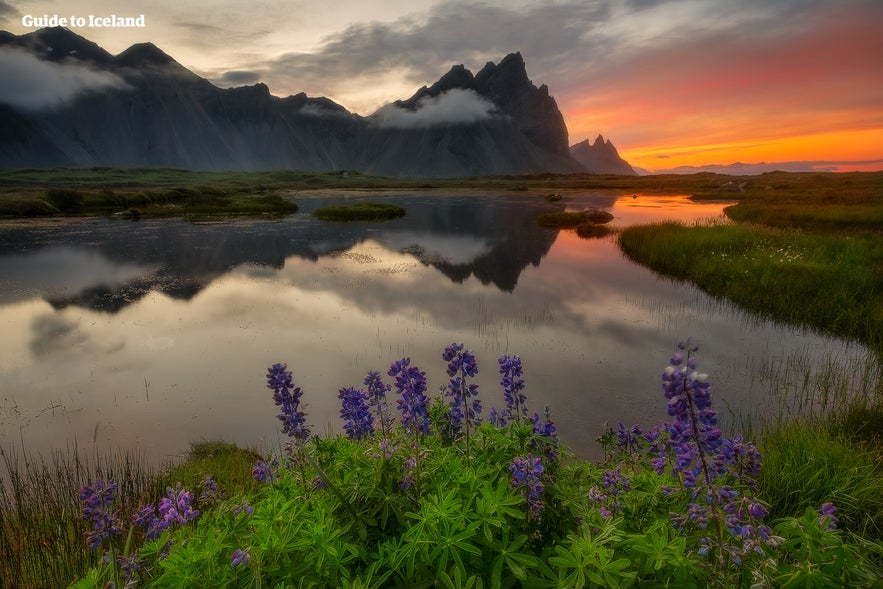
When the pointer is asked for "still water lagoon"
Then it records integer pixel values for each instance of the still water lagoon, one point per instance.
(148, 335)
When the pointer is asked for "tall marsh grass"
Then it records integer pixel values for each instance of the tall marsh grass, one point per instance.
(805, 465)
(831, 283)
(41, 532)
(41, 535)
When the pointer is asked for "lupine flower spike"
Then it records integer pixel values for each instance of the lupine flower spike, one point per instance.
(410, 382)
(96, 503)
(358, 422)
(462, 413)
(513, 387)
(377, 390)
(527, 475)
(287, 398)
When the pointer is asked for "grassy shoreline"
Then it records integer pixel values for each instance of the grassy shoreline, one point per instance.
(807, 254)
(176, 192)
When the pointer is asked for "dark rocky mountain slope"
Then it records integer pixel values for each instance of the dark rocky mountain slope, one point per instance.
(142, 108)
(600, 157)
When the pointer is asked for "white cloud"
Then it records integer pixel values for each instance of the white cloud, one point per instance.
(449, 108)
(30, 83)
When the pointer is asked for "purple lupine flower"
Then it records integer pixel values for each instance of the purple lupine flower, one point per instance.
(513, 385)
(461, 365)
(743, 459)
(211, 493)
(828, 516)
(527, 474)
(407, 481)
(386, 450)
(242, 508)
(694, 432)
(496, 418)
(318, 484)
(628, 440)
(176, 506)
(96, 503)
(377, 390)
(287, 397)
(615, 483)
(600, 499)
(358, 422)
(544, 429)
(130, 566)
(410, 382)
(264, 472)
(146, 517)
(239, 558)
(758, 511)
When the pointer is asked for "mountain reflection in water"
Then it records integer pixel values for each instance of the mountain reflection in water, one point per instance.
(156, 333)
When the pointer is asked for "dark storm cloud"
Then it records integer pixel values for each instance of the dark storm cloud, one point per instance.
(7, 11)
(451, 33)
(563, 43)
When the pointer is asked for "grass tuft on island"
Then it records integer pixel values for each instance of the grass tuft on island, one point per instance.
(362, 211)
(588, 224)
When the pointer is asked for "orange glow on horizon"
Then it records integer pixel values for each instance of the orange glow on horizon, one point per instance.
(837, 146)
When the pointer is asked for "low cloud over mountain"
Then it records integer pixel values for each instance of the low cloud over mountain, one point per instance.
(456, 106)
(30, 83)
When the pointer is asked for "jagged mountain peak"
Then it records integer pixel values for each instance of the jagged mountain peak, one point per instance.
(511, 71)
(58, 43)
(166, 115)
(600, 157)
(457, 77)
(144, 54)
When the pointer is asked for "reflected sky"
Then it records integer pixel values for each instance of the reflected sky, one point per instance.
(157, 333)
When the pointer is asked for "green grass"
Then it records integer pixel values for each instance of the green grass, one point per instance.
(228, 463)
(587, 224)
(362, 211)
(805, 466)
(153, 202)
(41, 533)
(804, 250)
(832, 283)
(573, 219)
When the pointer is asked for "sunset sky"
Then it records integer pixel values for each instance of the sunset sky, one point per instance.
(679, 82)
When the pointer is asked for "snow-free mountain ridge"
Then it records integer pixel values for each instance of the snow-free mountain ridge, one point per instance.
(71, 103)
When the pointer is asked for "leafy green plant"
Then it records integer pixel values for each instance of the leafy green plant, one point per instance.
(412, 505)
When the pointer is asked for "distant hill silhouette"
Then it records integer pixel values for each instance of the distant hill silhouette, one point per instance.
(600, 157)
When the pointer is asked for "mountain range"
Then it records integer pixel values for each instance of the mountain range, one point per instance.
(745, 169)
(65, 101)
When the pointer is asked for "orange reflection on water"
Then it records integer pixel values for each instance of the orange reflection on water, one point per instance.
(638, 209)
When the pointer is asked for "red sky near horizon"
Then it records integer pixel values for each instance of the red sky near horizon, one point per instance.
(817, 94)
(669, 82)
